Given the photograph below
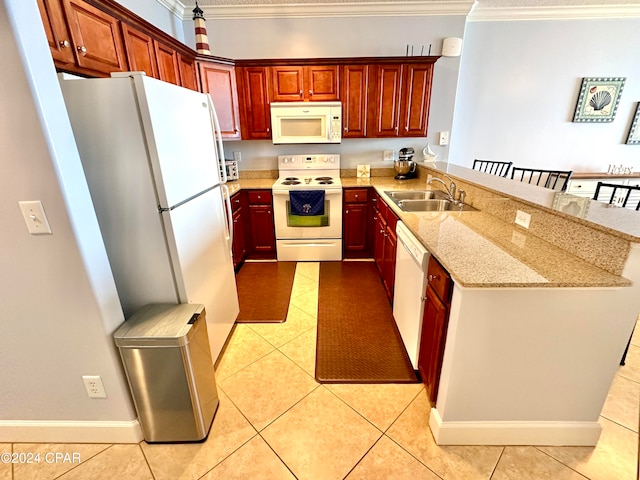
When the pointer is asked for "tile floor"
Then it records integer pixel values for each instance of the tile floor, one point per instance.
(276, 422)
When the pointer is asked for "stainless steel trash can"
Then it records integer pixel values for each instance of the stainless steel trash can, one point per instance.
(167, 359)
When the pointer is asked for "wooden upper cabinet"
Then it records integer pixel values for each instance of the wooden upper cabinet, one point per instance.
(141, 54)
(56, 30)
(354, 94)
(254, 93)
(219, 81)
(95, 37)
(415, 104)
(168, 67)
(301, 83)
(187, 68)
(388, 89)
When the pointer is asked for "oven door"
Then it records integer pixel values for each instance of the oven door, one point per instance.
(290, 227)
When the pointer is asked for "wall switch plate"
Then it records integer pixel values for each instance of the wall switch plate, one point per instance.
(34, 217)
(388, 156)
(523, 218)
(237, 156)
(94, 386)
(443, 138)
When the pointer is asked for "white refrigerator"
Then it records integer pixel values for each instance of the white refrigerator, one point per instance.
(154, 162)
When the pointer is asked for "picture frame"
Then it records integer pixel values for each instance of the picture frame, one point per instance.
(634, 132)
(598, 99)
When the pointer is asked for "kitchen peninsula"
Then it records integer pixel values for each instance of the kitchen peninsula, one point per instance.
(539, 318)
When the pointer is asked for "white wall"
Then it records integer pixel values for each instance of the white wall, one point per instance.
(519, 82)
(155, 13)
(58, 303)
(342, 37)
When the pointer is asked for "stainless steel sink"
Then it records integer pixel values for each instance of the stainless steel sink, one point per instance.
(397, 195)
(433, 205)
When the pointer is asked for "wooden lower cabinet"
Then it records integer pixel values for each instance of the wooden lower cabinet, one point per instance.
(240, 221)
(385, 244)
(435, 321)
(355, 220)
(263, 237)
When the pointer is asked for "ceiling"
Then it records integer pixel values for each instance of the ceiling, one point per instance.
(477, 10)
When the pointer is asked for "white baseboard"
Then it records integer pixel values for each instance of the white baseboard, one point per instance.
(43, 431)
(583, 434)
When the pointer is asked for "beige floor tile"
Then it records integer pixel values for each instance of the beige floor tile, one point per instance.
(635, 338)
(118, 462)
(267, 388)
(244, 347)
(386, 460)
(254, 460)
(307, 302)
(303, 284)
(631, 369)
(183, 461)
(381, 404)
(308, 269)
(529, 463)
(5, 466)
(302, 350)
(411, 431)
(49, 467)
(321, 437)
(614, 458)
(623, 403)
(278, 334)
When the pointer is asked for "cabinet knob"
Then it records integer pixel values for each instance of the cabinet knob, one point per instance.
(346, 211)
(434, 277)
(356, 195)
(82, 49)
(300, 92)
(310, 92)
(64, 44)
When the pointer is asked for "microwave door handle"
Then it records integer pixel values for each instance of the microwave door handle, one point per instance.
(217, 138)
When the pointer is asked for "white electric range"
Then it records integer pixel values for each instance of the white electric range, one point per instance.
(313, 238)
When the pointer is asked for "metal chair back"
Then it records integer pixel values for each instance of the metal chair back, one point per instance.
(624, 193)
(493, 167)
(553, 179)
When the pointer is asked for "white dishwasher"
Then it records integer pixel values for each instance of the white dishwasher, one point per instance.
(409, 291)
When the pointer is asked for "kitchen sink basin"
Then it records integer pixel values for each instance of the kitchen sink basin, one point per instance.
(398, 195)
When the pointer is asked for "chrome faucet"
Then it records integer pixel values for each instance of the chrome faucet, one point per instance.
(450, 190)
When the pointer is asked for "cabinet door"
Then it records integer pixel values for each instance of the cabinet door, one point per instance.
(168, 67)
(355, 85)
(288, 83)
(219, 81)
(55, 28)
(355, 228)
(239, 247)
(415, 102)
(256, 115)
(432, 340)
(187, 69)
(388, 85)
(389, 261)
(262, 229)
(322, 83)
(96, 38)
(379, 241)
(140, 52)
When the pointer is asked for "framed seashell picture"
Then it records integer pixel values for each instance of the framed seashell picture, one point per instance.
(634, 132)
(598, 99)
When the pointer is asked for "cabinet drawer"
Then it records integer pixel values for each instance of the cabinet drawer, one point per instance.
(236, 201)
(439, 280)
(355, 195)
(259, 197)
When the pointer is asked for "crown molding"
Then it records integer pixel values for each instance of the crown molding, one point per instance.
(574, 12)
(359, 9)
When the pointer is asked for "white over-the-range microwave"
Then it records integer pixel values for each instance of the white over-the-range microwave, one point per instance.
(306, 122)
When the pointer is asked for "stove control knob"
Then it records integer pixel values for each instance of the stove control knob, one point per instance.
(332, 159)
(325, 159)
(292, 159)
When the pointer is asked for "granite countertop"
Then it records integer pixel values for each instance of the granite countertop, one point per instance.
(478, 249)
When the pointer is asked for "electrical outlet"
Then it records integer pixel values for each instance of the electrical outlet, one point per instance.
(388, 156)
(94, 386)
(237, 156)
(523, 218)
(443, 138)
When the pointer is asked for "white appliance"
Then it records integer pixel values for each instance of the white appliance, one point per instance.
(412, 260)
(310, 242)
(153, 159)
(306, 122)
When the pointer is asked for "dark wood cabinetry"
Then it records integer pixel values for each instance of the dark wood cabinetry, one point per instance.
(141, 54)
(308, 82)
(187, 70)
(55, 28)
(168, 67)
(255, 115)
(385, 243)
(355, 220)
(354, 94)
(240, 221)
(434, 327)
(219, 81)
(263, 238)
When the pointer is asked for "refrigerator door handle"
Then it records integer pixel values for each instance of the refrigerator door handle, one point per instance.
(217, 137)
(227, 201)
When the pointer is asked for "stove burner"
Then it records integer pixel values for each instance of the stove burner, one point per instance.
(325, 182)
(324, 179)
(290, 182)
(291, 178)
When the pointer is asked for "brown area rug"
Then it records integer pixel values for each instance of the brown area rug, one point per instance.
(264, 291)
(358, 340)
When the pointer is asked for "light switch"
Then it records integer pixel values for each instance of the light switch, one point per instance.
(34, 217)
